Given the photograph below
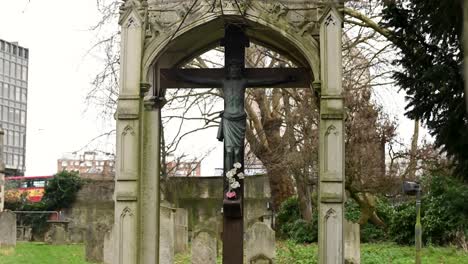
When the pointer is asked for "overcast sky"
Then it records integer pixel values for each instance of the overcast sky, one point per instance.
(57, 34)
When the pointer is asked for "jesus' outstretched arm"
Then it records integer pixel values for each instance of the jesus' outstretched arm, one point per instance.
(269, 81)
(206, 81)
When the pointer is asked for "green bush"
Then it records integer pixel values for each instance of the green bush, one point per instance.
(369, 232)
(444, 213)
(291, 226)
(60, 193)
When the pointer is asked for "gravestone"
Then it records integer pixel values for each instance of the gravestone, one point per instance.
(166, 235)
(57, 233)
(109, 247)
(260, 244)
(7, 229)
(352, 243)
(180, 230)
(204, 248)
(94, 242)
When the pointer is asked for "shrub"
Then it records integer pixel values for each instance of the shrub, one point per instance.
(444, 213)
(60, 192)
(291, 226)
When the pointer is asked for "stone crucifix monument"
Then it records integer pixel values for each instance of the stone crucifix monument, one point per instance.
(233, 125)
(160, 36)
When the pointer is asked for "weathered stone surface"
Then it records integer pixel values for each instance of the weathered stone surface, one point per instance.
(2, 187)
(94, 242)
(352, 243)
(57, 233)
(260, 244)
(204, 248)
(163, 34)
(7, 229)
(166, 235)
(23, 233)
(180, 230)
(94, 204)
(109, 247)
(202, 197)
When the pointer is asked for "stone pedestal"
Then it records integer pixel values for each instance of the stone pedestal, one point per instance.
(352, 243)
(7, 229)
(204, 248)
(260, 244)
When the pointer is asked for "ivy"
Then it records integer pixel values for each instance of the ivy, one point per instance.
(60, 193)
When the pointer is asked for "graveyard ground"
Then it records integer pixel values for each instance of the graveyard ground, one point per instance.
(288, 252)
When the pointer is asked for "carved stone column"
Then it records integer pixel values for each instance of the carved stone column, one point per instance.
(128, 130)
(150, 187)
(331, 155)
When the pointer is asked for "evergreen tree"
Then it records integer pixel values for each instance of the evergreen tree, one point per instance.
(429, 35)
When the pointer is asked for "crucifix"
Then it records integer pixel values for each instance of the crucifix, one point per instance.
(234, 79)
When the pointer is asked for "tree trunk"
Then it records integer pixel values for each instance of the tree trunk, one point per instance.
(411, 173)
(465, 40)
(281, 184)
(304, 195)
(367, 203)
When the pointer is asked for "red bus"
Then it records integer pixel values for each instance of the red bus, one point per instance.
(34, 186)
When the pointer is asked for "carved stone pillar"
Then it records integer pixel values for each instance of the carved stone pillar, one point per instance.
(150, 188)
(128, 131)
(331, 184)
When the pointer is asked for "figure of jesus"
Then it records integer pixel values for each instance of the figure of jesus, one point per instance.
(233, 123)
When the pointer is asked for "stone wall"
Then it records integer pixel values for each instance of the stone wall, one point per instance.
(203, 197)
(92, 211)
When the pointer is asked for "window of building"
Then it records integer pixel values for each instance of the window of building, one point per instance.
(23, 118)
(12, 70)
(26, 54)
(21, 140)
(10, 138)
(12, 92)
(16, 139)
(4, 113)
(6, 87)
(2, 45)
(11, 114)
(23, 95)
(6, 69)
(18, 71)
(17, 116)
(14, 49)
(1, 66)
(18, 94)
(8, 47)
(24, 73)
(20, 53)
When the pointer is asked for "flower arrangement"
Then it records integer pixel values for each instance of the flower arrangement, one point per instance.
(232, 180)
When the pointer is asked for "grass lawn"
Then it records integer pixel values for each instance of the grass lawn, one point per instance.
(291, 253)
(287, 253)
(40, 253)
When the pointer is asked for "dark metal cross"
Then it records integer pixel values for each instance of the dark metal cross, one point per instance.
(234, 79)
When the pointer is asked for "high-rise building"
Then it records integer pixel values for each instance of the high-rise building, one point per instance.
(13, 104)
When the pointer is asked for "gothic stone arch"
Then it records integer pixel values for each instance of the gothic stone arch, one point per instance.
(165, 33)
